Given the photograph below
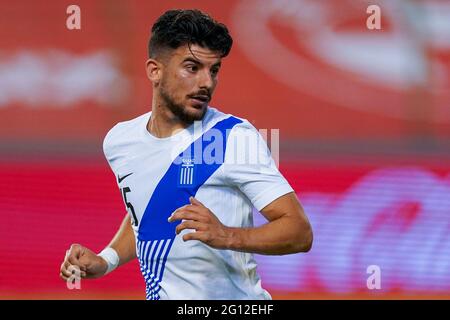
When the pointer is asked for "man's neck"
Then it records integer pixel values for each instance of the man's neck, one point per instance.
(163, 123)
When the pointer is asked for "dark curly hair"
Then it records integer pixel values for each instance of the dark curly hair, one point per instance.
(176, 28)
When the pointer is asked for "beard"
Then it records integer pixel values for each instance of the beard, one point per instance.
(179, 110)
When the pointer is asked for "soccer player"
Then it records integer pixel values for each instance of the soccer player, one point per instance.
(189, 199)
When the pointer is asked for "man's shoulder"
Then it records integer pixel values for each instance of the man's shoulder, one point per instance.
(216, 115)
(129, 124)
(123, 132)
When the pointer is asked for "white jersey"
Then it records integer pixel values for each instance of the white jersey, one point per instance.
(158, 175)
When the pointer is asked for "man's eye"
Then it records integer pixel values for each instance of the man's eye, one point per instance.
(214, 71)
(192, 68)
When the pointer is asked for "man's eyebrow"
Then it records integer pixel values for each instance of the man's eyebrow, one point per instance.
(190, 59)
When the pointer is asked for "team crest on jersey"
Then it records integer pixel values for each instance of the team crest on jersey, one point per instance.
(186, 176)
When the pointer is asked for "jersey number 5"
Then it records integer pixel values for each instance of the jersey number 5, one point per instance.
(129, 205)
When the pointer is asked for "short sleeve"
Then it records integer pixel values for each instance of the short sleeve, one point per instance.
(113, 148)
(250, 167)
(108, 148)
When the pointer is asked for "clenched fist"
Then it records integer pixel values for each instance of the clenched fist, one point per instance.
(91, 266)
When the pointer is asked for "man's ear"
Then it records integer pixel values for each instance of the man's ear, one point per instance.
(154, 71)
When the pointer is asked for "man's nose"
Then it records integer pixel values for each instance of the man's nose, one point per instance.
(206, 80)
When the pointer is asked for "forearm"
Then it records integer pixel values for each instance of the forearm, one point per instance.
(281, 236)
(124, 242)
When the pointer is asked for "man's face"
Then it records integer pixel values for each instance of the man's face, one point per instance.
(188, 81)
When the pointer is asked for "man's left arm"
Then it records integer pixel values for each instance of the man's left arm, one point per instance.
(287, 230)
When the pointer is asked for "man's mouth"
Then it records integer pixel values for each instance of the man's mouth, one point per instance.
(199, 101)
(200, 98)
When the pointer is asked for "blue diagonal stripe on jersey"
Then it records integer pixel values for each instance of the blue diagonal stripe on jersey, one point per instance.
(151, 275)
(163, 252)
(156, 234)
(150, 248)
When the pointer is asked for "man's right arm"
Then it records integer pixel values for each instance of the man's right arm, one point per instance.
(124, 242)
(93, 266)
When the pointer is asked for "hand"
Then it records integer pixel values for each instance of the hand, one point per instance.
(91, 266)
(208, 229)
